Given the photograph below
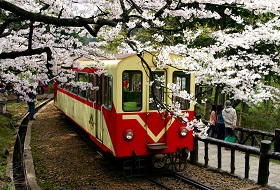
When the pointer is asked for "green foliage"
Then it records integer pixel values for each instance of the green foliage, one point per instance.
(6, 140)
(15, 111)
(111, 47)
(10, 186)
(5, 131)
(261, 118)
(203, 40)
(199, 111)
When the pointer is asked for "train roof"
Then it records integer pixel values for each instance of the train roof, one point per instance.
(116, 57)
(111, 62)
(86, 62)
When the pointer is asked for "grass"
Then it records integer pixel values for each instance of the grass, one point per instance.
(7, 134)
(15, 112)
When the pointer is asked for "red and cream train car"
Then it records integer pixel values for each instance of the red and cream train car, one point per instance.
(120, 118)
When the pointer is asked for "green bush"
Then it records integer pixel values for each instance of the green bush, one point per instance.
(261, 119)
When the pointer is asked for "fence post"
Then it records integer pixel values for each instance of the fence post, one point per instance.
(194, 153)
(277, 140)
(264, 163)
(247, 165)
(206, 153)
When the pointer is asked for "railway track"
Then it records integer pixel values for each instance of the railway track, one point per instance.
(191, 183)
(187, 180)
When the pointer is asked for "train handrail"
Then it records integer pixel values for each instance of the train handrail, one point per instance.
(102, 128)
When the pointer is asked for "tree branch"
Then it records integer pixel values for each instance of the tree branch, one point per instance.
(29, 52)
(37, 17)
(30, 36)
(7, 23)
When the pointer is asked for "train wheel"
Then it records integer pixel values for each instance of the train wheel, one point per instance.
(180, 164)
(159, 161)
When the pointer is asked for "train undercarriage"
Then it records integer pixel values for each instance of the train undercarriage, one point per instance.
(138, 166)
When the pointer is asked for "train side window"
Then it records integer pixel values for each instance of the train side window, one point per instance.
(60, 85)
(67, 87)
(74, 89)
(183, 80)
(108, 91)
(99, 91)
(83, 92)
(91, 92)
(156, 91)
(132, 90)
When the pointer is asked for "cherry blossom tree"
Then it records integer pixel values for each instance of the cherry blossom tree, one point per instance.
(228, 43)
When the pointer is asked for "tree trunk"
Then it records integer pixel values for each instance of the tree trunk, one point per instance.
(216, 94)
(208, 104)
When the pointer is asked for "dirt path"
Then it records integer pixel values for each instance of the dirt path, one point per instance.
(64, 160)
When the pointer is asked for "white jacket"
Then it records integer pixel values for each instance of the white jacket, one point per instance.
(230, 117)
(3, 95)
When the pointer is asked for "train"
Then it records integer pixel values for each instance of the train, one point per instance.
(119, 115)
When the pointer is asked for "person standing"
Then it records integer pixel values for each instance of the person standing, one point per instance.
(31, 98)
(3, 98)
(213, 121)
(3, 92)
(230, 118)
(41, 87)
(220, 123)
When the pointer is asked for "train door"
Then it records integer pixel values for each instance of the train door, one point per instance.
(98, 109)
(156, 121)
(74, 90)
(92, 98)
(104, 103)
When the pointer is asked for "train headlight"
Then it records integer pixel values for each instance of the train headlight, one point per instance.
(128, 134)
(183, 131)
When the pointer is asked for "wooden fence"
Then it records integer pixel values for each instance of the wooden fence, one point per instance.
(254, 137)
(246, 135)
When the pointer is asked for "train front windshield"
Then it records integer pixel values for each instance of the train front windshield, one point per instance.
(132, 90)
(183, 81)
(156, 93)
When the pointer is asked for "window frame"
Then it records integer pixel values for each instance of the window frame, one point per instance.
(135, 88)
(79, 90)
(108, 92)
(91, 93)
(152, 105)
(74, 90)
(187, 87)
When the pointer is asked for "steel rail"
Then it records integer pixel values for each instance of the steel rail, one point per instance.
(192, 181)
(158, 183)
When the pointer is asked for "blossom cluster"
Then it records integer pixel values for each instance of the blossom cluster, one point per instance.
(83, 28)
